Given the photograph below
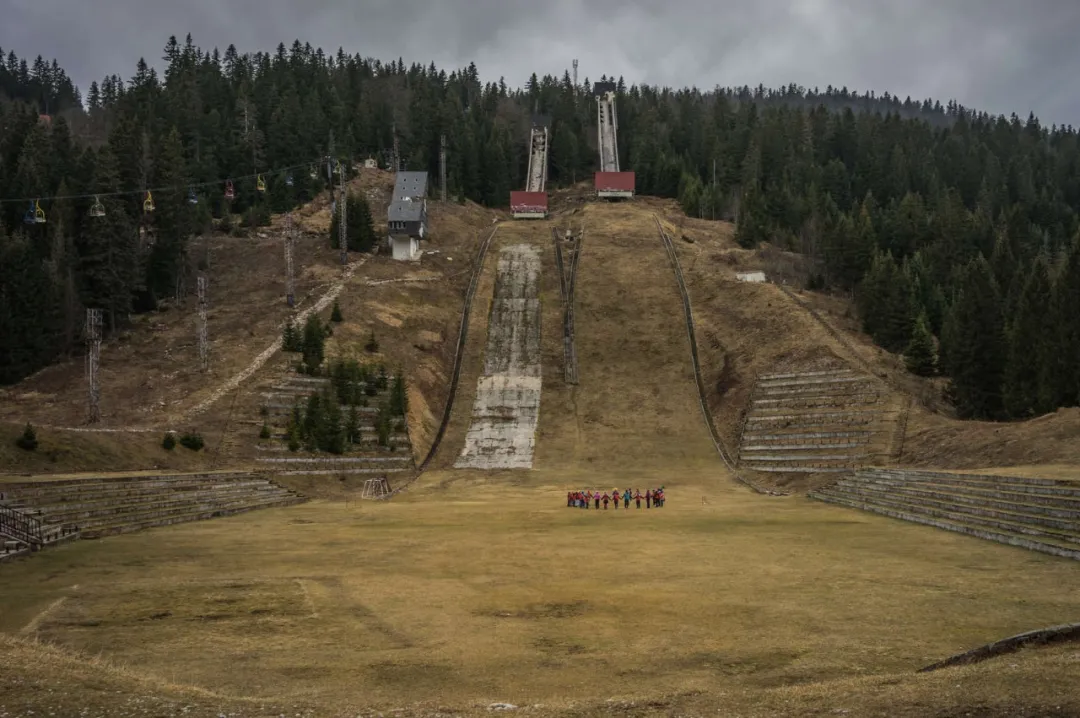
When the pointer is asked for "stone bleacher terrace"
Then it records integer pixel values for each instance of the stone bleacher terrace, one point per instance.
(1034, 513)
(112, 504)
(828, 421)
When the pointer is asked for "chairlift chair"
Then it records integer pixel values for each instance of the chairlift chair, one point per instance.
(28, 218)
(39, 213)
(260, 183)
(192, 198)
(288, 180)
(230, 192)
(148, 203)
(97, 209)
(313, 172)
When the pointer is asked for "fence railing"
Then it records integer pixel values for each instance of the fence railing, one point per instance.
(459, 354)
(17, 525)
(688, 314)
(566, 288)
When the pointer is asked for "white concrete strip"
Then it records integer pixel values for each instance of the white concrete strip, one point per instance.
(507, 406)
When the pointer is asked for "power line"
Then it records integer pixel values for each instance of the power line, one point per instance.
(188, 186)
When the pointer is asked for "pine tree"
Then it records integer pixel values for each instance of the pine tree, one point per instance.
(313, 344)
(110, 262)
(1029, 329)
(974, 343)
(335, 313)
(172, 220)
(920, 356)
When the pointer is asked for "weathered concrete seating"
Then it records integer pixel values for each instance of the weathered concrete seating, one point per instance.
(822, 421)
(104, 505)
(1038, 514)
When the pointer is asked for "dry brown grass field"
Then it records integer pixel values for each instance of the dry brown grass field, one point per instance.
(473, 589)
(478, 587)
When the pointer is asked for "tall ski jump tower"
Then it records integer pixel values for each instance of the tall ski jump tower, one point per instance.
(610, 182)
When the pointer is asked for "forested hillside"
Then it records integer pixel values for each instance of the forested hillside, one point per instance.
(955, 230)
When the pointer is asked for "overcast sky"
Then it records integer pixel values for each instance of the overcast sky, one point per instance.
(992, 55)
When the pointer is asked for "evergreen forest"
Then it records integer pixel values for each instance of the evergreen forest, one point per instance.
(955, 231)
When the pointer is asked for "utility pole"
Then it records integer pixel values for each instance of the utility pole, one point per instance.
(575, 77)
(712, 200)
(330, 164)
(204, 343)
(290, 290)
(343, 243)
(442, 166)
(397, 150)
(93, 359)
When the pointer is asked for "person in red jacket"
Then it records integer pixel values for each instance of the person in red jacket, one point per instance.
(606, 499)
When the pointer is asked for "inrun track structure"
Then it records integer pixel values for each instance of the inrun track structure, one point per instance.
(533, 202)
(611, 183)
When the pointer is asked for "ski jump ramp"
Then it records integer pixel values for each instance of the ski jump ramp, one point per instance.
(502, 434)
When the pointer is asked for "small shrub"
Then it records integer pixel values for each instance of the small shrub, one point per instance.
(192, 440)
(335, 313)
(264, 432)
(372, 345)
(28, 441)
(399, 428)
(225, 224)
(264, 411)
(169, 442)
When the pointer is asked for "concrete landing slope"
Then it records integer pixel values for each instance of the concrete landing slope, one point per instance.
(502, 433)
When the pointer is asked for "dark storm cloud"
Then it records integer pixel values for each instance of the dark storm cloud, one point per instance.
(991, 54)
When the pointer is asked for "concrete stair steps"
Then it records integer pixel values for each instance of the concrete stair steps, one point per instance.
(846, 389)
(970, 518)
(775, 458)
(30, 486)
(804, 447)
(81, 513)
(342, 461)
(344, 471)
(805, 469)
(285, 408)
(974, 477)
(307, 380)
(818, 418)
(1014, 516)
(863, 435)
(824, 400)
(69, 494)
(1060, 506)
(808, 374)
(1020, 485)
(146, 522)
(1013, 539)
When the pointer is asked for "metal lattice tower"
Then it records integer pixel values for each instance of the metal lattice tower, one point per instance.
(204, 343)
(330, 164)
(290, 288)
(442, 166)
(93, 359)
(343, 237)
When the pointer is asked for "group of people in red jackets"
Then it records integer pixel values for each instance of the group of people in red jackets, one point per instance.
(594, 499)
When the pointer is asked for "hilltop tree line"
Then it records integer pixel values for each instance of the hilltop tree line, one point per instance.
(952, 228)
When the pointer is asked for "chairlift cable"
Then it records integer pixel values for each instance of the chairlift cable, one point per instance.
(128, 193)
